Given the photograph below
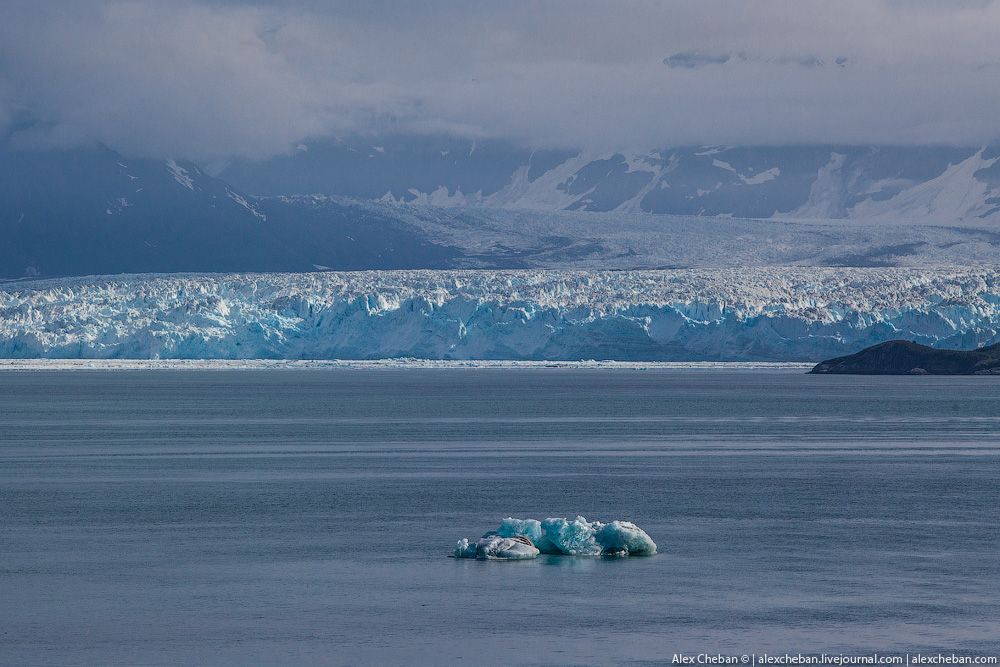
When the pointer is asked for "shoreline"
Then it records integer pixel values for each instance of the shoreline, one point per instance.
(378, 364)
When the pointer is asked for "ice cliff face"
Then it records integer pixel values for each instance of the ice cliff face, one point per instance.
(724, 314)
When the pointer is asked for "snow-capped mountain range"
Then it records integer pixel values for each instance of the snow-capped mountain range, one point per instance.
(691, 314)
(936, 184)
(92, 210)
(443, 203)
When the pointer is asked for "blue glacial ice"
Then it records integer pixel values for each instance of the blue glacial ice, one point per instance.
(530, 528)
(576, 537)
(519, 539)
(750, 314)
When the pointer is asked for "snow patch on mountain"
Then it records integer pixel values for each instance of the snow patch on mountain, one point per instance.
(752, 179)
(955, 194)
(441, 197)
(762, 177)
(180, 174)
(544, 193)
(247, 204)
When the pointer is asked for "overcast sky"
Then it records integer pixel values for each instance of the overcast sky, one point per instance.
(212, 79)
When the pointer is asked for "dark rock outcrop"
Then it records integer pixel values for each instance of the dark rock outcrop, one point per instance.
(903, 357)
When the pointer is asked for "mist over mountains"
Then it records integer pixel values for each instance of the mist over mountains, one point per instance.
(411, 201)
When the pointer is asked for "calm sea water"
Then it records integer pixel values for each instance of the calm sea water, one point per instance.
(306, 517)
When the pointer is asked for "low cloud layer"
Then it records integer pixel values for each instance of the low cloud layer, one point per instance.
(215, 79)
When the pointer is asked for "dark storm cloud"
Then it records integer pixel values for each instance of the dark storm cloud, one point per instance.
(210, 79)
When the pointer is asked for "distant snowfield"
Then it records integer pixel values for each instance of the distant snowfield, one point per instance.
(751, 314)
(488, 238)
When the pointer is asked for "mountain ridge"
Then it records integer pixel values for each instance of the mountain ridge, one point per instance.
(905, 357)
(93, 211)
(943, 184)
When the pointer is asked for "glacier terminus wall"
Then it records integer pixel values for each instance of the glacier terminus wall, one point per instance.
(776, 314)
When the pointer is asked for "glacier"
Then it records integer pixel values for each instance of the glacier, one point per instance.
(748, 314)
(495, 238)
(523, 539)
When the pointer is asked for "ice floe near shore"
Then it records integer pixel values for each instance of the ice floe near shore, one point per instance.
(520, 539)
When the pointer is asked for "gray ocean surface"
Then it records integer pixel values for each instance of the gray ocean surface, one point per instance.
(306, 517)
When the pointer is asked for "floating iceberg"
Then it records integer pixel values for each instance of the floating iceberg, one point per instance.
(494, 547)
(623, 538)
(520, 539)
